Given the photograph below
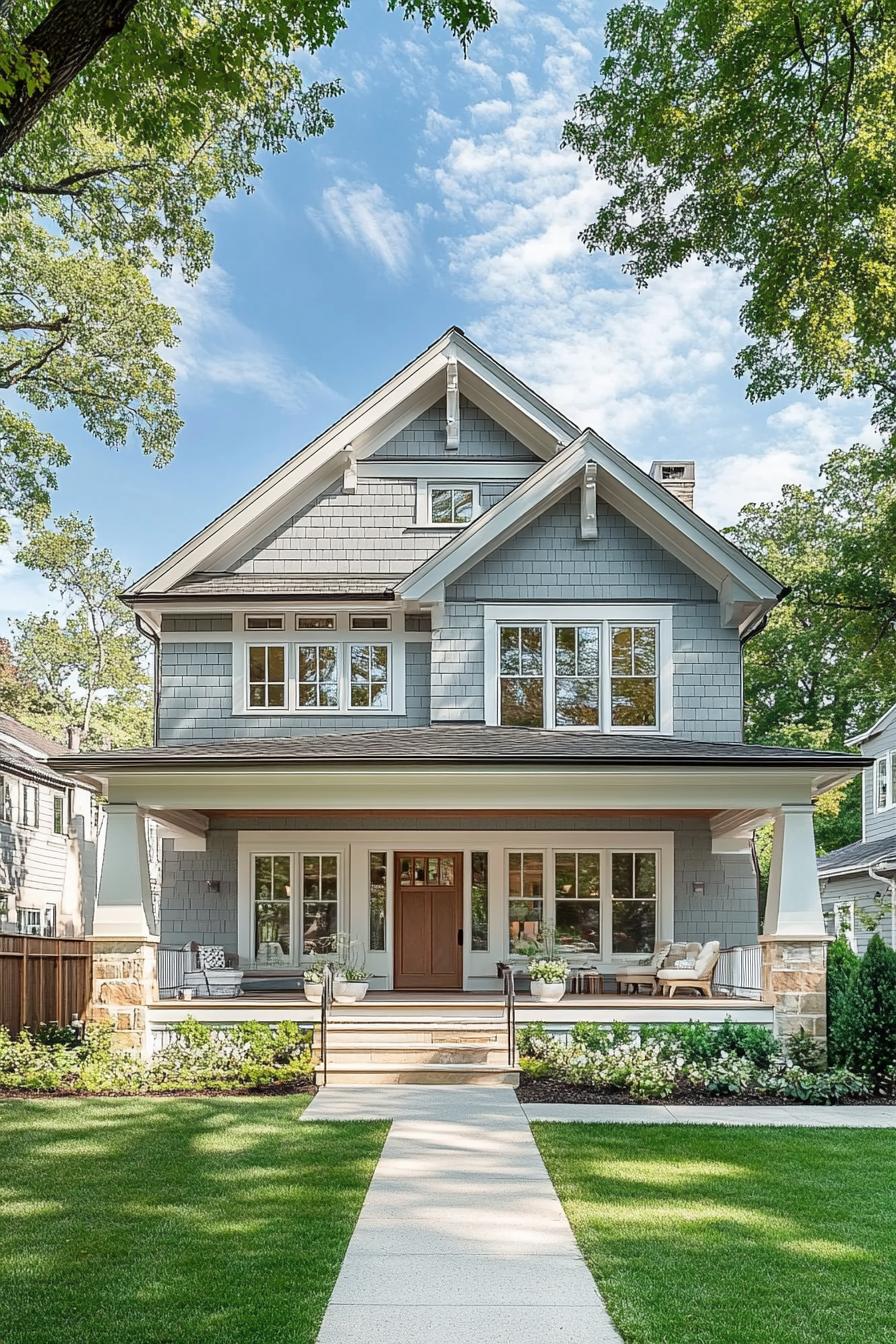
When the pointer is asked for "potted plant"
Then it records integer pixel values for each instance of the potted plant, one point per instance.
(313, 981)
(350, 983)
(548, 979)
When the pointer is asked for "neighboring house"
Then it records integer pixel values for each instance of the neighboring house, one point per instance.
(860, 879)
(48, 833)
(457, 670)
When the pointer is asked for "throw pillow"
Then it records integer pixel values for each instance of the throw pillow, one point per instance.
(685, 964)
(211, 959)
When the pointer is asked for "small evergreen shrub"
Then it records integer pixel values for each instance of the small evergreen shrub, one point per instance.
(842, 968)
(871, 1014)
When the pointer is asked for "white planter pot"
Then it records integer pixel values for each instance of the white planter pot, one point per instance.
(539, 989)
(349, 991)
(313, 993)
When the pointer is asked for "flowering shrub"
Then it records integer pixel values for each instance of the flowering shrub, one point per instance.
(549, 972)
(656, 1062)
(197, 1059)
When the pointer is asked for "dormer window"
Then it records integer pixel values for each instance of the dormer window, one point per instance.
(453, 505)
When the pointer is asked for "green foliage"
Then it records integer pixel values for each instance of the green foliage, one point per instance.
(762, 136)
(734, 1059)
(111, 182)
(804, 1052)
(871, 1014)
(245, 1057)
(548, 972)
(85, 667)
(842, 968)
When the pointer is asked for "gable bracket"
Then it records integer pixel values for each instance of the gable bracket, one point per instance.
(588, 523)
(452, 409)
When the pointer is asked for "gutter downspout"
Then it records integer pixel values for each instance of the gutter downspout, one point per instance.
(150, 634)
(891, 883)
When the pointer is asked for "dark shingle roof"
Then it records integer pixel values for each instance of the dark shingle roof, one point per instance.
(859, 856)
(451, 744)
(30, 737)
(21, 763)
(266, 586)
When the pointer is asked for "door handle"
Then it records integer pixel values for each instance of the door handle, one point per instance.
(460, 937)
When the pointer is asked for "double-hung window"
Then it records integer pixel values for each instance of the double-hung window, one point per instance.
(525, 889)
(577, 909)
(59, 814)
(883, 782)
(5, 799)
(30, 805)
(635, 898)
(267, 676)
(597, 674)
(318, 676)
(369, 664)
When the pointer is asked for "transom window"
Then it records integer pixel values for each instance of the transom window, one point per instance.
(267, 676)
(264, 622)
(451, 505)
(316, 622)
(601, 675)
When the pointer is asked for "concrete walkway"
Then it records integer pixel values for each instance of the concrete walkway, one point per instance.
(816, 1117)
(461, 1237)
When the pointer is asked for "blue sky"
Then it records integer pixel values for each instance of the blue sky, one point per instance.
(440, 197)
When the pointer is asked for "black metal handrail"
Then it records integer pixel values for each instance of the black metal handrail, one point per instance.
(326, 998)
(510, 1009)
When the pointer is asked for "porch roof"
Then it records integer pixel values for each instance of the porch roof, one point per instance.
(469, 744)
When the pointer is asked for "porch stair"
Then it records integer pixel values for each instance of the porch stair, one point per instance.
(379, 1046)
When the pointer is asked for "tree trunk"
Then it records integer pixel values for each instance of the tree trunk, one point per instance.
(69, 37)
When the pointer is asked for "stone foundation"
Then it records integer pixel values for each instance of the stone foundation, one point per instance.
(124, 982)
(794, 979)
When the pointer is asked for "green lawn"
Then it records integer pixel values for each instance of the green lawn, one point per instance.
(168, 1222)
(711, 1235)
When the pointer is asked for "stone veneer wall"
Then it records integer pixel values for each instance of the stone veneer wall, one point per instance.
(124, 981)
(794, 978)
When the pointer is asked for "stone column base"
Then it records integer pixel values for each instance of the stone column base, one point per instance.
(124, 982)
(794, 979)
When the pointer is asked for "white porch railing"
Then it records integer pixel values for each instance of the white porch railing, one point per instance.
(738, 973)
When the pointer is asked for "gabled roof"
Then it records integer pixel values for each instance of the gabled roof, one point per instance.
(745, 587)
(24, 751)
(32, 740)
(883, 722)
(375, 420)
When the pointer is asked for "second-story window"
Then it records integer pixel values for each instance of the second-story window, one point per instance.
(5, 799)
(318, 676)
(577, 676)
(883, 783)
(369, 671)
(634, 672)
(58, 814)
(30, 805)
(267, 676)
(521, 676)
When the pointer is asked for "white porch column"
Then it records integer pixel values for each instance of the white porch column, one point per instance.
(793, 907)
(124, 899)
(124, 931)
(794, 944)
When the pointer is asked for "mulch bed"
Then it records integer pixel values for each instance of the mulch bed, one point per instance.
(548, 1091)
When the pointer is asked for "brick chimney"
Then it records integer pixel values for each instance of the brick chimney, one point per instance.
(73, 736)
(677, 478)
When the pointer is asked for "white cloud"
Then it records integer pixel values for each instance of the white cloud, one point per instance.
(491, 109)
(216, 348)
(365, 218)
(23, 591)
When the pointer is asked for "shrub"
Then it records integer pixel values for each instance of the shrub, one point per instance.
(594, 1036)
(530, 1036)
(871, 1014)
(804, 1052)
(843, 965)
(701, 1043)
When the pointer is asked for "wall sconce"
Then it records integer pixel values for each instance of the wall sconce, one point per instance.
(698, 888)
(213, 884)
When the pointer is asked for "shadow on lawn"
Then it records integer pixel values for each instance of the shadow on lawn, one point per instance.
(152, 1221)
(718, 1236)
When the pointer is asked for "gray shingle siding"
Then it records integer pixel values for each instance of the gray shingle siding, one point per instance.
(860, 889)
(196, 699)
(548, 561)
(877, 825)
(480, 436)
(727, 909)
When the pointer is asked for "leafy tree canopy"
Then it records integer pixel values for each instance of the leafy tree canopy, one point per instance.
(119, 121)
(83, 666)
(760, 134)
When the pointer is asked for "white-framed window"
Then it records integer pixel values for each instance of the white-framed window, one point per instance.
(266, 680)
(59, 811)
(370, 622)
(377, 893)
(272, 913)
(294, 906)
(320, 903)
(369, 673)
(603, 901)
(580, 668)
(884, 767)
(317, 668)
(325, 621)
(5, 799)
(264, 621)
(452, 505)
(29, 922)
(30, 813)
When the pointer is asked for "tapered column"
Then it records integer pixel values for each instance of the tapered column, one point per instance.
(794, 941)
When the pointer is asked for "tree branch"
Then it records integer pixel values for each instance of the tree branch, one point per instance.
(73, 185)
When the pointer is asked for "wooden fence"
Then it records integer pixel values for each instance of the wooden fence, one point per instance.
(43, 980)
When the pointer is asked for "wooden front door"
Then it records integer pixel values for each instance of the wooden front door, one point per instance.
(429, 905)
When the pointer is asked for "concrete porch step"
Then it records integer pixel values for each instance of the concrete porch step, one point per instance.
(380, 1075)
(415, 1033)
(387, 1053)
